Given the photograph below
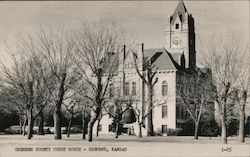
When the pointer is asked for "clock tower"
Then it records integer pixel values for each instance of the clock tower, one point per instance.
(180, 35)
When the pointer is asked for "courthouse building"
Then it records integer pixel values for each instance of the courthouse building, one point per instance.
(176, 57)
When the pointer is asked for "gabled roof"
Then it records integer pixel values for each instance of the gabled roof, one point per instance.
(162, 59)
(180, 11)
(176, 57)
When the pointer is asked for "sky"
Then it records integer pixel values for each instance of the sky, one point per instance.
(145, 20)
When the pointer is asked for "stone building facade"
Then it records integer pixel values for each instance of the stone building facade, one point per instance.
(173, 61)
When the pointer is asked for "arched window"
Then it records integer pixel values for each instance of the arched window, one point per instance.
(164, 88)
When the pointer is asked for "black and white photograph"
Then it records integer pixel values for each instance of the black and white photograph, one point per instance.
(125, 78)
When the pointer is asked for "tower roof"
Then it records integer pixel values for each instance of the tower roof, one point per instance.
(180, 11)
(181, 8)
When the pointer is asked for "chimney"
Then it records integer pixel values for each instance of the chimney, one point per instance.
(140, 57)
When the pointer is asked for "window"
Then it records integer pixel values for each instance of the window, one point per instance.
(126, 88)
(177, 112)
(133, 88)
(132, 65)
(182, 113)
(164, 129)
(100, 127)
(186, 114)
(164, 111)
(164, 91)
(177, 26)
(126, 66)
(110, 128)
(111, 90)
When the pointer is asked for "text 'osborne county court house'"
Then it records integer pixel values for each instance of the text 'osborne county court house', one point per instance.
(172, 61)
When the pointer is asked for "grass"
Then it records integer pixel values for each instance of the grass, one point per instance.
(110, 139)
(173, 146)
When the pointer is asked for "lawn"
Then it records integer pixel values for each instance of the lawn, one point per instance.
(107, 145)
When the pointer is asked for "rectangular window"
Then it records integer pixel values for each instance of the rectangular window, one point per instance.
(182, 113)
(164, 111)
(126, 88)
(186, 114)
(133, 88)
(164, 129)
(177, 26)
(177, 112)
(110, 128)
(164, 88)
(126, 66)
(111, 90)
(132, 66)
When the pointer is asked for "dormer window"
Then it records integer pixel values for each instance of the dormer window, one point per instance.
(177, 26)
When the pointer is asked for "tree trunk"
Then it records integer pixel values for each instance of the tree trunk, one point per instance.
(57, 124)
(20, 124)
(223, 124)
(197, 123)
(24, 125)
(30, 124)
(98, 100)
(242, 105)
(223, 132)
(140, 130)
(91, 124)
(40, 125)
(117, 129)
(90, 129)
(97, 129)
(150, 131)
(69, 126)
(57, 113)
(241, 127)
(196, 128)
(83, 125)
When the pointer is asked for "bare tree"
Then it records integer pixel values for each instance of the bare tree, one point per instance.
(11, 103)
(73, 109)
(85, 119)
(80, 91)
(47, 69)
(242, 88)
(116, 110)
(220, 58)
(138, 112)
(97, 63)
(148, 69)
(195, 91)
(24, 79)
(56, 49)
